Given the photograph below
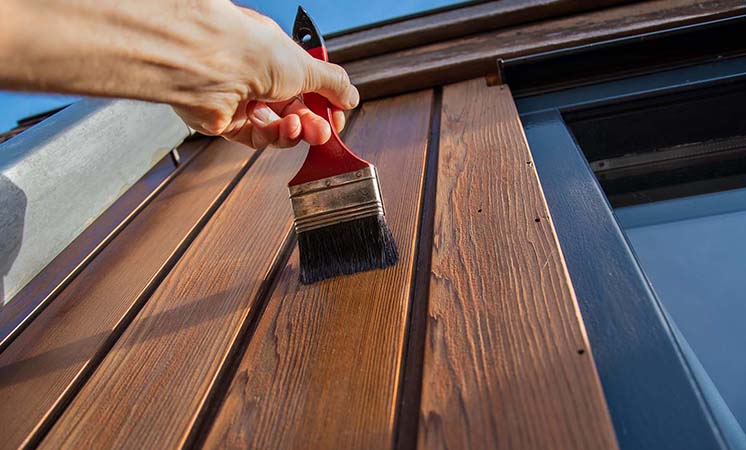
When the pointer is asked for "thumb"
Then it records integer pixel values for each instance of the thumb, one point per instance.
(331, 81)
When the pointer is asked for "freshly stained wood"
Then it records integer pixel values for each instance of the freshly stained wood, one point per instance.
(150, 388)
(323, 367)
(455, 22)
(50, 281)
(43, 367)
(507, 363)
(475, 56)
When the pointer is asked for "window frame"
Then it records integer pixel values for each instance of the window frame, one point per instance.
(658, 394)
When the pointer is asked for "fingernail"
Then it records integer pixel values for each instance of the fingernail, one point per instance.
(318, 131)
(354, 97)
(263, 115)
(327, 133)
(295, 127)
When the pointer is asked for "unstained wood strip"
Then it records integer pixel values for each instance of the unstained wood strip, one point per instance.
(323, 368)
(43, 367)
(151, 387)
(455, 22)
(507, 362)
(470, 57)
(30, 300)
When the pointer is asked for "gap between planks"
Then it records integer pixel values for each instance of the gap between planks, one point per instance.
(31, 300)
(198, 433)
(43, 369)
(323, 368)
(410, 386)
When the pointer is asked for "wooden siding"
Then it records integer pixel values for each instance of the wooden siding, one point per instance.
(337, 346)
(507, 362)
(190, 328)
(451, 23)
(187, 328)
(43, 368)
(471, 56)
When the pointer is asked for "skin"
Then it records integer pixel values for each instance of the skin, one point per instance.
(227, 71)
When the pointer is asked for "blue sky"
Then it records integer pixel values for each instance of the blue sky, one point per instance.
(330, 16)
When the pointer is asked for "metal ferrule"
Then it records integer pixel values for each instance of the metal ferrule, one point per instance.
(336, 199)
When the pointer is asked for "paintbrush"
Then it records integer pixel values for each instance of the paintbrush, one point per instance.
(336, 197)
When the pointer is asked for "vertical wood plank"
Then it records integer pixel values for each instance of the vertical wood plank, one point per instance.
(507, 363)
(43, 367)
(323, 368)
(151, 387)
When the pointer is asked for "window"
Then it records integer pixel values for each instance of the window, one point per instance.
(673, 166)
(645, 177)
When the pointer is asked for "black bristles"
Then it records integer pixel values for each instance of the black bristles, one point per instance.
(346, 248)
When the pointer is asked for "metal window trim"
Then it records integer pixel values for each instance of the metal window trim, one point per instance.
(627, 56)
(58, 176)
(658, 394)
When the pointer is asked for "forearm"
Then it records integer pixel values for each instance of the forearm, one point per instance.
(150, 50)
(226, 70)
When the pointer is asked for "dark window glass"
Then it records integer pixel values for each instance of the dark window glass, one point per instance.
(666, 146)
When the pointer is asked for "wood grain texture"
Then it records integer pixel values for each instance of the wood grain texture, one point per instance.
(474, 56)
(323, 367)
(42, 368)
(507, 363)
(460, 21)
(65, 266)
(151, 386)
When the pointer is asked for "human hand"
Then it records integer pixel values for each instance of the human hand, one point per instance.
(226, 70)
(249, 79)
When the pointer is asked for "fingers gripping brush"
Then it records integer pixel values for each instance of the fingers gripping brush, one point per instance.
(336, 198)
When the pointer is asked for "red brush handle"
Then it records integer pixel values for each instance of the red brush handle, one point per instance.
(333, 157)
